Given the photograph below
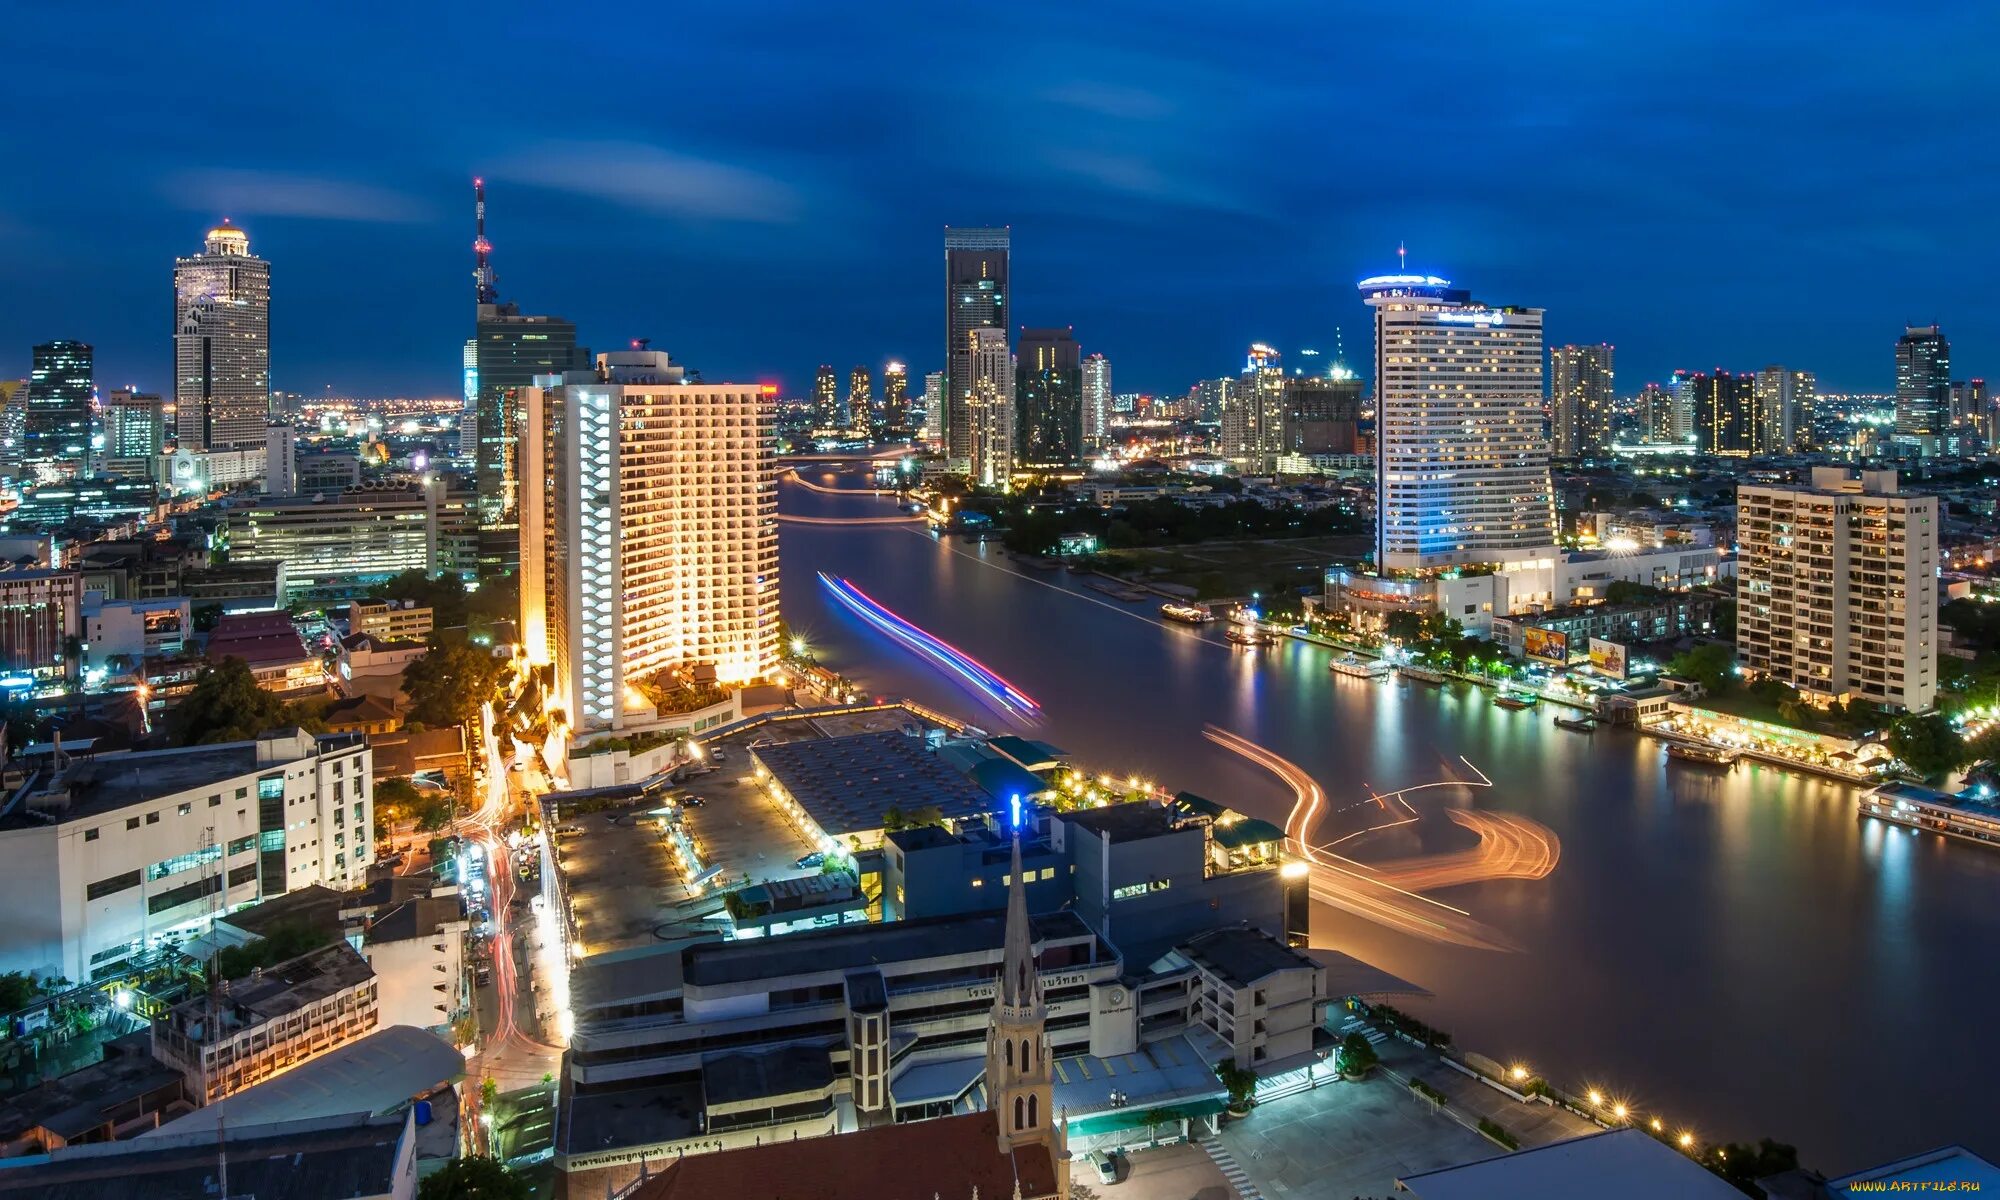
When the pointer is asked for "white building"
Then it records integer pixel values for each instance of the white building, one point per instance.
(1784, 410)
(133, 629)
(417, 950)
(1096, 399)
(655, 544)
(222, 345)
(933, 406)
(1462, 466)
(1838, 591)
(103, 857)
(990, 410)
(1554, 579)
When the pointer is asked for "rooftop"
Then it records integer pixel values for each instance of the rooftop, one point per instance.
(258, 638)
(94, 786)
(331, 1159)
(846, 783)
(377, 1074)
(1130, 822)
(1938, 1170)
(418, 918)
(73, 1104)
(313, 906)
(1628, 1163)
(845, 948)
(1243, 956)
(949, 1156)
(734, 1078)
(272, 993)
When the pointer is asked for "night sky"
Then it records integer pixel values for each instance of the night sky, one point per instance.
(760, 187)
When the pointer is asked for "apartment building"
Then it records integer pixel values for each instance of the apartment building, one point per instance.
(390, 620)
(1838, 588)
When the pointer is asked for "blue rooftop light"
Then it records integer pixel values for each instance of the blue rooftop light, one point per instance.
(1017, 810)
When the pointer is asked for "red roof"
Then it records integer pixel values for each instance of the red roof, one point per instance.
(917, 1160)
(260, 639)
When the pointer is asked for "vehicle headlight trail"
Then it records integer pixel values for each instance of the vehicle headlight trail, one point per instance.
(958, 663)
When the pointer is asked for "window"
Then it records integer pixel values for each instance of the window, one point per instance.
(112, 885)
(186, 807)
(152, 818)
(131, 822)
(90, 835)
(215, 802)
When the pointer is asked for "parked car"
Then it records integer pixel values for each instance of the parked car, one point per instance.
(1106, 1164)
(811, 860)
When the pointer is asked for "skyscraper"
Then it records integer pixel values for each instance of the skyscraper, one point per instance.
(934, 407)
(13, 421)
(1680, 386)
(896, 396)
(653, 547)
(1923, 385)
(1783, 418)
(1212, 398)
(1462, 467)
(1656, 410)
(975, 297)
(222, 345)
(1261, 395)
(1968, 404)
(1725, 410)
(1580, 389)
(55, 432)
(860, 400)
(828, 411)
(1096, 400)
(988, 410)
(1048, 389)
(1322, 414)
(134, 433)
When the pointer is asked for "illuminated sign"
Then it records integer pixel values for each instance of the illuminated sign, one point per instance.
(1608, 657)
(1473, 318)
(1545, 645)
(1382, 281)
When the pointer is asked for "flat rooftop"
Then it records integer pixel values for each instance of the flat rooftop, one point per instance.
(1628, 1163)
(849, 947)
(1130, 822)
(284, 988)
(73, 1104)
(377, 1074)
(322, 1160)
(846, 783)
(1243, 956)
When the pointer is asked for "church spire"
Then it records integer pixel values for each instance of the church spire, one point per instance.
(1020, 983)
(1019, 1067)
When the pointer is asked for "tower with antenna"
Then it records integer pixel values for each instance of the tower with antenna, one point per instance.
(482, 250)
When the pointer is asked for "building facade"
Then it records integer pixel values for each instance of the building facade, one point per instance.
(134, 433)
(512, 350)
(331, 545)
(222, 344)
(1462, 468)
(655, 542)
(1837, 592)
(1048, 389)
(896, 397)
(986, 415)
(55, 425)
(1096, 401)
(860, 400)
(1580, 391)
(1784, 407)
(1923, 385)
(1322, 415)
(39, 612)
(1725, 413)
(975, 297)
(263, 1026)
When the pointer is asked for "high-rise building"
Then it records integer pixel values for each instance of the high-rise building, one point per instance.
(652, 547)
(1968, 404)
(828, 411)
(975, 297)
(860, 400)
(934, 407)
(222, 345)
(513, 350)
(1211, 397)
(1837, 590)
(1580, 390)
(1725, 412)
(988, 411)
(1462, 466)
(13, 421)
(896, 396)
(1260, 399)
(1096, 400)
(1923, 385)
(1680, 386)
(1783, 417)
(1048, 389)
(1656, 412)
(55, 434)
(134, 433)
(1322, 414)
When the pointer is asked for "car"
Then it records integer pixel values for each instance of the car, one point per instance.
(810, 860)
(483, 975)
(719, 756)
(692, 801)
(1106, 1164)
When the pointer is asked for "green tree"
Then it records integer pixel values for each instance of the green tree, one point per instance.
(1742, 1166)
(226, 705)
(1711, 664)
(1153, 1118)
(17, 990)
(1240, 1082)
(449, 683)
(1357, 1057)
(1928, 744)
(475, 1178)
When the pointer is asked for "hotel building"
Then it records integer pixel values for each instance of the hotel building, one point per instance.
(1838, 588)
(1462, 467)
(1580, 386)
(975, 297)
(222, 345)
(653, 540)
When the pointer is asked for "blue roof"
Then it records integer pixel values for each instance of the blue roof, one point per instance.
(1950, 1165)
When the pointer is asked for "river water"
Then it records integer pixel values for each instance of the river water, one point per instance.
(1737, 951)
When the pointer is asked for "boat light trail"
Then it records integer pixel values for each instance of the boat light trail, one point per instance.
(980, 677)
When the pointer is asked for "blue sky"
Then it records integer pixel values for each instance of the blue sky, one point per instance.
(761, 187)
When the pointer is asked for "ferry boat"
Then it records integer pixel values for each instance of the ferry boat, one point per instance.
(1355, 667)
(1698, 752)
(1916, 807)
(1187, 614)
(1421, 674)
(1577, 724)
(1516, 700)
(1244, 629)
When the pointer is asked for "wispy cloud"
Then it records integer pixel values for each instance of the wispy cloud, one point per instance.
(1111, 100)
(653, 180)
(226, 191)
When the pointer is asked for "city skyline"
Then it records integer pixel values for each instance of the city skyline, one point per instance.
(1109, 178)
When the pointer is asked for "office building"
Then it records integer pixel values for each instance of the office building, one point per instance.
(1656, 415)
(13, 420)
(1580, 390)
(39, 612)
(222, 345)
(281, 460)
(333, 546)
(1096, 401)
(134, 433)
(1211, 398)
(1462, 467)
(1970, 408)
(933, 407)
(1253, 412)
(1923, 386)
(72, 508)
(1048, 390)
(896, 396)
(975, 297)
(103, 857)
(1680, 386)
(655, 546)
(986, 415)
(512, 350)
(829, 411)
(390, 620)
(55, 430)
(1782, 421)
(1837, 591)
(1725, 412)
(860, 401)
(267, 1024)
(1322, 414)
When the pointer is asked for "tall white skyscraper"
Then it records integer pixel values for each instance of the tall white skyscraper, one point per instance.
(1096, 399)
(933, 406)
(1580, 389)
(650, 543)
(989, 407)
(222, 345)
(1462, 467)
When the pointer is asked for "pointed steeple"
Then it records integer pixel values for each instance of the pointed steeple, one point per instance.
(1020, 983)
(1019, 1068)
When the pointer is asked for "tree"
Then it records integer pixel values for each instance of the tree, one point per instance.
(1240, 1082)
(1711, 664)
(1742, 1166)
(17, 990)
(447, 685)
(476, 1178)
(1928, 744)
(1357, 1057)
(226, 705)
(1156, 1117)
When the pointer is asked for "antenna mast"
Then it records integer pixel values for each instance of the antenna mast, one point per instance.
(482, 269)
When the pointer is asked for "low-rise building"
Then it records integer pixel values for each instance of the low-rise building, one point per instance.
(271, 647)
(1262, 998)
(1664, 619)
(133, 630)
(369, 656)
(39, 612)
(417, 950)
(390, 620)
(125, 1094)
(366, 713)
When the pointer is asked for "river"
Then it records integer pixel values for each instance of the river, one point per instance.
(1737, 951)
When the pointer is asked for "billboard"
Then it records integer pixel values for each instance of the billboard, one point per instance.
(1608, 657)
(1545, 645)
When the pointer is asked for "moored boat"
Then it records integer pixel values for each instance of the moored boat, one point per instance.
(1420, 673)
(1577, 724)
(1187, 614)
(1355, 667)
(1702, 752)
(1517, 700)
